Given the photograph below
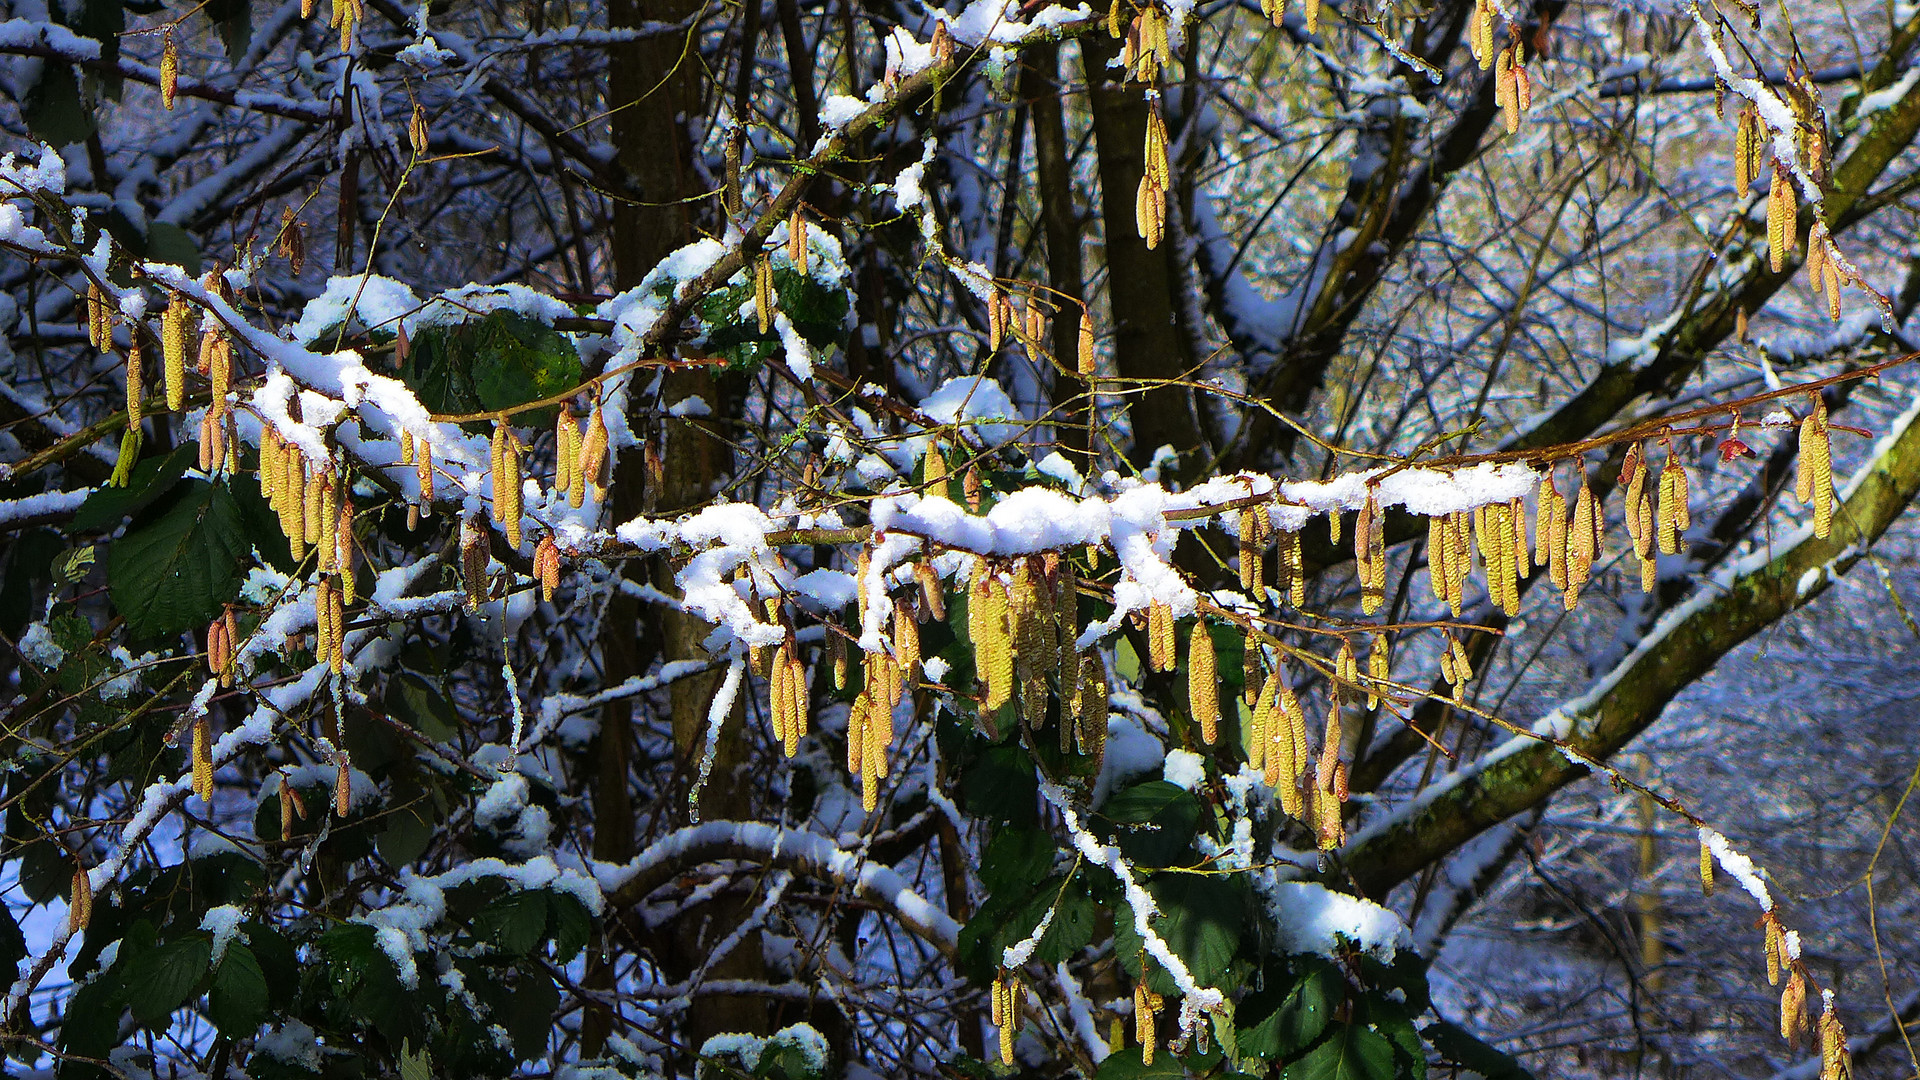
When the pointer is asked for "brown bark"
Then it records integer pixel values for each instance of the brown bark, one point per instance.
(1059, 217)
(1147, 343)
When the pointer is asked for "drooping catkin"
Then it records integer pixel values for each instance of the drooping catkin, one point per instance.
(1438, 548)
(1793, 1009)
(136, 375)
(1090, 706)
(1290, 741)
(496, 467)
(1783, 205)
(1379, 666)
(1161, 648)
(593, 450)
(173, 351)
(343, 787)
(1747, 149)
(508, 491)
(566, 434)
(1144, 1006)
(1814, 482)
(763, 292)
(1581, 537)
(337, 656)
(1674, 517)
(1292, 581)
(1203, 684)
(203, 760)
(473, 560)
(993, 645)
(906, 642)
(80, 899)
(1773, 950)
(546, 567)
(1480, 33)
(1835, 1061)
(169, 69)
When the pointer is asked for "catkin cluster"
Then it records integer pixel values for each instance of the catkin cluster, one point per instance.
(1826, 273)
(1150, 203)
(203, 759)
(1370, 554)
(1449, 557)
(223, 635)
(507, 490)
(1512, 87)
(330, 624)
(1813, 483)
(1008, 996)
(1147, 47)
(1277, 740)
(176, 326)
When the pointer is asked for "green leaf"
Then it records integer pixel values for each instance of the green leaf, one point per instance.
(235, 22)
(1290, 1011)
(411, 698)
(1017, 858)
(502, 360)
(53, 108)
(1458, 1046)
(514, 921)
(408, 833)
(90, 1025)
(152, 477)
(163, 978)
(1390, 1019)
(167, 242)
(570, 927)
(415, 1066)
(1350, 1052)
(237, 1001)
(1155, 823)
(535, 1000)
(1202, 918)
(179, 561)
(1000, 785)
(13, 944)
(1126, 1065)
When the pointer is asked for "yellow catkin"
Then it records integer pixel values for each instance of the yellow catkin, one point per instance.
(996, 320)
(80, 900)
(1143, 1024)
(857, 734)
(1633, 477)
(1203, 684)
(1782, 228)
(1773, 951)
(593, 450)
(1706, 869)
(203, 760)
(1254, 673)
(1835, 1063)
(136, 374)
(1259, 731)
(219, 650)
(906, 642)
(511, 495)
(798, 707)
(565, 434)
(1290, 740)
(1675, 518)
(777, 696)
(797, 241)
(1746, 151)
(1292, 575)
(933, 591)
(1150, 211)
(169, 70)
(1312, 12)
(1379, 666)
(1480, 33)
(763, 293)
(994, 647)
(423, 473)
(337, 657)
(1506, 91)
(1814, 483)
(1437, 550)
(173, 352)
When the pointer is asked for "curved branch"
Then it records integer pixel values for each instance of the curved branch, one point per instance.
(1747, 597)
(787, 849)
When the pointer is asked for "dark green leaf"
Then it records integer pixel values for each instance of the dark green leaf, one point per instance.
(1290, 1011)
(13, 945)
(170, 243)
(1458, 1046)
(1155, 823)
(53, 108)
(90, 1024)
(163, 978)
(1201, 919)
(515, 921)
(1349, 1052)
(1125, 1064)
(1017, 858)
(152, 477)
(179, 561)
(535, 1000)
(237, 1001)
(499, 361)
(29, 563)
(409, 830)
(570, 927)
(412, 699)
(1000, 785)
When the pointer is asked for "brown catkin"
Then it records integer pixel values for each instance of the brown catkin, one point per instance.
(343, 788)
(1161, 646)
(203, 760)
(473, 560)
(1203, 684)
(1793, 1009)
(1086, 357)
(80, 900)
